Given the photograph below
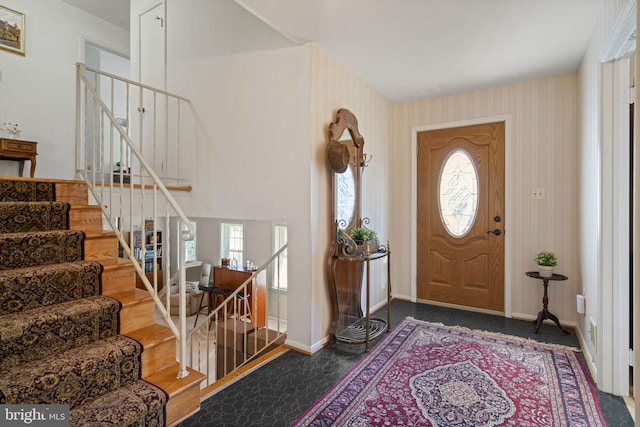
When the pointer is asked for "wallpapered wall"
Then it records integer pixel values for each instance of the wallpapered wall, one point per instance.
(334, 87)
(589, 189)
(541, 153)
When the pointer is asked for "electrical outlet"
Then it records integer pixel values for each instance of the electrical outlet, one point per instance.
(593, 335)
(537, 193)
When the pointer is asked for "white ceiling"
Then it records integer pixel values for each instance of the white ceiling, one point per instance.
(413, 49)
(114, 11)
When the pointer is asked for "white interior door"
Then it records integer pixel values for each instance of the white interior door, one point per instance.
(152, 110)
(152, 47)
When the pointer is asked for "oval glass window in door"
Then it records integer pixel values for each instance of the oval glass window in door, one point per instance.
(458, 193)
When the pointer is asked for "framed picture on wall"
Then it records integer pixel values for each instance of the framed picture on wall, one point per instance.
(11, 30)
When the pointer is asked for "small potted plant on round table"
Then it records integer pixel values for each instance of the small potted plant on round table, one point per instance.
(365, 238)
(546, 261)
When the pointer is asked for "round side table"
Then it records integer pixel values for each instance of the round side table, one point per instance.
(545, 313)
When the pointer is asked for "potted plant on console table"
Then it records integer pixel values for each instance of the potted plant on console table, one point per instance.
(546, 261)
(365, 238)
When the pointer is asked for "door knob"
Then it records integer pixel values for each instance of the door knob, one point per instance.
(497, 232)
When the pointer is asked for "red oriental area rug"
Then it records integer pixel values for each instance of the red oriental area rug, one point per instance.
(424, 374)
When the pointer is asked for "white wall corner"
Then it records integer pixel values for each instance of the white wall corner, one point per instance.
(309, 350)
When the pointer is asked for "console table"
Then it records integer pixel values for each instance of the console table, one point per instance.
(358, 328)
(545, 314)
(19, 150)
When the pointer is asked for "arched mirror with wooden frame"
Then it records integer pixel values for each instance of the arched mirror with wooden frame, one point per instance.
(351, 250)
(344, 155)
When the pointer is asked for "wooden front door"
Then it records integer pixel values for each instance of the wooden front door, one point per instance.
(460, 250)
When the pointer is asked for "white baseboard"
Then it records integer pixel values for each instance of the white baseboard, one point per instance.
(522, 316)
(587, 355)
(302, 348)
(378, 306)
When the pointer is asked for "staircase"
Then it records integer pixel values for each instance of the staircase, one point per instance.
(74, 329)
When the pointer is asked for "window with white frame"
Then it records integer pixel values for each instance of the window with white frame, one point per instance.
(190, 246)
(232, 242)
(280, 266)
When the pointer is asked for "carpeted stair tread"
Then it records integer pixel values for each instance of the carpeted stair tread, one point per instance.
(19, 250)
(137, 404)
(32, 287)
(74, 377)
(18, 217)
(33, 334)
(26, 191)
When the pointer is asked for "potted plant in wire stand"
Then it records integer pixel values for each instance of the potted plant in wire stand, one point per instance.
(546, 261)
(365, 238)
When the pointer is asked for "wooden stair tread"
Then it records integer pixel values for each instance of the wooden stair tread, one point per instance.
(106, 262)
(99, 234)
(79, 181)
(151, 335)
(115, 263)
(159, 345)
(184, 393)
(132, 296)
(19, 178)
(167, 379)
(146, 186)
(86, 207)
(118, 263)
(137, 309)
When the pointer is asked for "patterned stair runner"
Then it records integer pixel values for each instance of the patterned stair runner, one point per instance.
(45, 331)
(58, 335)
(135, 404)
(18, 250)
(27, 191)
(76, 376)
(33, 216)
(32, 287)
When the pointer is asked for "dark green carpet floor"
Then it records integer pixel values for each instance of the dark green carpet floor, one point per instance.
(276, 394)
